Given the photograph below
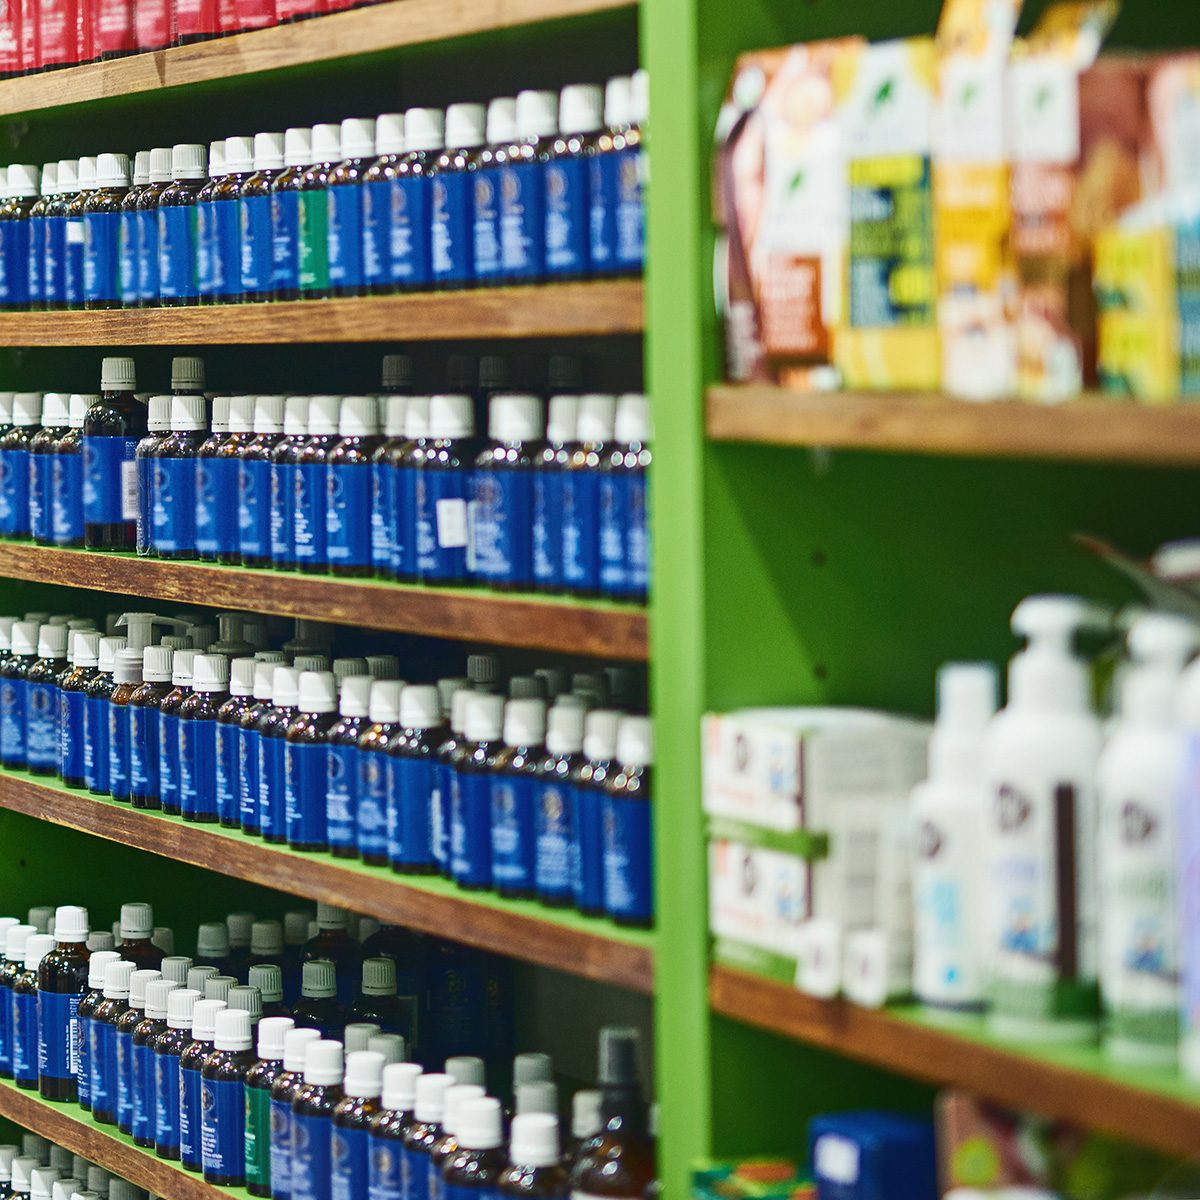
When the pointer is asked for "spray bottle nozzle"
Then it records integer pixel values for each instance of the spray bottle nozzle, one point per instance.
(1163, 639)
(1047, 673)
(1050, 622)
(141, 627)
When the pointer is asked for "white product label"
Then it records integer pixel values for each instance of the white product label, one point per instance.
(836, 1159)
(757, 896)
(1044, 111)
(129, 491)
(890, 107)
(74, 233)
(452, 524)
(969, 119)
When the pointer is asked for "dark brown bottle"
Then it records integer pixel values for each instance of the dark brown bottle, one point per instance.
(352, 1119)
(479, 1161)
(62, 981)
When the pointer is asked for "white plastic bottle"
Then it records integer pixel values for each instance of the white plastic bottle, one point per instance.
(947, 814)
(1039, 767)
(1137, 784)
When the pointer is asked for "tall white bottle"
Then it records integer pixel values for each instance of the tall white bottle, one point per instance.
(947, 810)
(1039, 767)
(1138, 785)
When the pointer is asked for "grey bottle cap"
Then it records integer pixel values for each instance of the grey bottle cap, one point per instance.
(175, 967)
(268, 979)
(618, 1059)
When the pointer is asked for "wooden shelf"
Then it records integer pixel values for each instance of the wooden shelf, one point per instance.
(522, 929)
(370, 30)
(463, 614)
(547, 310)
(1155, 1108)
(1092, 429)
(67, 1125)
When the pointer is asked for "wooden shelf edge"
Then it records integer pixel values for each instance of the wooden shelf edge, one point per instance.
(69, 1126)
(596, 308)
(1009, 1077)
(1092, 429)
(368, 30)
(601, 631)
(565, 946)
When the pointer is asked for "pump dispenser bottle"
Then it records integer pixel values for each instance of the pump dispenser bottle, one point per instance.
(1039, 767)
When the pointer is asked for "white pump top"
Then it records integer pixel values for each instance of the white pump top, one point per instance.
(141, 628)
(966, 703)
(1047, 674)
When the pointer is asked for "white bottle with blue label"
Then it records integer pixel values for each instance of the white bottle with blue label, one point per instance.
(523, 188)
(452, 198)
(345, 205)
(443, 484)
(567, 183)
(501, 132)
(581, 494)
(624, 536)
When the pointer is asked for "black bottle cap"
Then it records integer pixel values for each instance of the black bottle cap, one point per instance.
(619, 1056)
(460, 373)
(493, 372)
(564, 373)
(399, 372)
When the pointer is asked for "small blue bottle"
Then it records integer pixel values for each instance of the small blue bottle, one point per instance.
(374, 770)
(272, 731)
(144, 716)
(226, 220)
(413, 780)
(173, 471)
(312, 1121)
(15, 939)
(306, 761)
(21, 194)
(72, 705)
(345, 203)
(568, 204)
(229, 740)
(283, 482)
(41, 462)
(129, 233)
(198, 737)
(515, 796)
(178, 236)
(73, 235)
(471, 794)
(590, 780)
(424, 1132)
(581, 494)
(47, 193)
(624, 541)
(54, 233)
(127, 677)
(341, 794)
(42, 734)
(523, 189)
(62, 981)
(628, 828)
(351, 1125)
(283, 1092)
(191, 1064)
(66, 476)
(405, 463)
(112, 428)
(95, 716)
(158, 429)
(206, 224)
(383, 486)
(90, 1001)
(147, 223)
(452, 197)
(501, 132)
(378, 197)
(13, 669)
(223, 1099)
(216, 524)
(247, 747)
(126, 1024)
(349, 479)
(310, 506)
(169, 1048)
(313, 192)
(254, 204)
(412, 207)
(14, 464)
(443, 486)
(168, 726)
(254, 482)
(102, 233)
(554, 804)
(616, 172)
(145, 1035)
(285, 213)
(102, 1052)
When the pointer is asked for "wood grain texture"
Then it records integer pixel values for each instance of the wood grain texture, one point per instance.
(548, 310)
(68, 1126)
(520, 930)
(1092, 429)
(600, 630)
(1100, 1101)
(368, 30)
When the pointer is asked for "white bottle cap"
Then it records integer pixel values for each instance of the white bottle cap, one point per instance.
(27, 408)
(160, 165)
(241, 414)
(297, 147)
(451, 416)
(210, 673)
(117, 374)
(537, 114)
(7, 1154)
(641, 97)
(485, 717)
(175, 968)
(365, 928)
(54, 410)
(479, 1123)
(391, 1045)
(112, 171)
(116, 979)
(220, 414)
(295, 1047)
(524, 722)
(232, 1030)
(268, 414)
(318, 979)
(197, 977)
(580, 108)
(358, 137)
(379, 978)
(67, 1189)
(285, 687)
(78, 406)
(400, 1084)
(212, 939)
(97, 964)
(295, 416)
(86, 170)
(354, 697)
(564, 729)
(25, 180)
(239, 155)
(632, 423)
(241, 676)
(533, 1067)
(323, 1062)
(384, 706)
(158, 414)
(514, 417)
(6, 408)
(267, 980)
(52, 641)
(25, 638)
(188, 413)
(272, 1036)
(323, 414)
(68, 176)
(217, 987)
(157, 992)
(635, 742)
(263, 679)
(181, 665)
(364, 1074)
(502, 121)
(23, 1166)
(268, 151)
(187, 373)
(424, 129)
(389, 134)
(420, 707)
(70, 923)
(416, 418)
(318, 692)
(189, 160)
(216, 159)
(465, 126)
(597, 417)
(326, 143)
(122, 1189)
(534, 1139)
(138, 982)
(600, 734)
(204, 1019)
(181, 1005)
(331, 916)
(87, 648)
(358, 416)
(14, 942)
(618, 102)
(394, 409)
(41, 1182)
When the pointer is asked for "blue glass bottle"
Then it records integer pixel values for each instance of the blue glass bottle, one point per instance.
(92, 998)
(62, 980)
(384, 543)
(42, 706)
(145, 1068)
(72, 705)
(413, 781)
(349, 480)
(173, 501)
(168, 1051)
(66, 476)
(225, 222)
(352, 1118)
(223, 1104)
(523, 188)
(144, 718)
(247, 748)
(14, 464)
(452, 198)
(581, 495)
(624, 536)
(285, 213)
(312, 1121)
(412, 200)
(228, 778)
(404, 462)
(443, 485)
(471, 792)
(283, 483)
(345, 207)
(127, 678)
(567, 180)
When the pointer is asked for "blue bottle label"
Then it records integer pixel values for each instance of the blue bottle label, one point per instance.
(311, 1157)
(54, 260)
(101, 256)
(41, 726)
(311, 493)
(383, 516)
(190, 1120)
(385, 1173)
(95, 754)
(304, 773)
(25, 1037)
(66, 498)
(257, 246)
(6, 1029)
(614, 501)
(523, 221)
(58, 1034)
(485, 238)
(439, 817)
(177, 242)
(514, 843)
(127, 258)
(198, 768)
(441, 524)
(471, 828)
(109, 480)
(124, 1048)
(372, 802)
(223, 1129)
(143, 751)
(205, 249)
(118, 751)
(37, 236)
(581, 530)
(627, 168)
(418, 1174)
(628, 882)
(348, 1155)
(83, 1074)
(405, 529)
(12, 722)
(226, 244)
(272, 801)
(143, 1093)
(285, 240)
(14, 263)
(228, 782)
(454, 1191)
(216, 515)
(73, 273)
(102, 1056)
(166, 1100)
(348, 515)
(283, 493)
(554, 814)
(346, 235)
(410, 212)
(281, 1150)
(14, 492)
(377, 232)
(587, 859)
(566, 216)
(39, 508)
(341, 796)
(637, 537)
(453, 220)
(410, 798)
(168, 760)
(254, 509)
(173, 505)
(71, 707)
(501, 526)
(248, 740)
(147, 256)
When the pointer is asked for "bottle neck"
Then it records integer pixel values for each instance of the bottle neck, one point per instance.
(626, 1105)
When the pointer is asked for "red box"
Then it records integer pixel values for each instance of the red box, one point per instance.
(59, 32)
